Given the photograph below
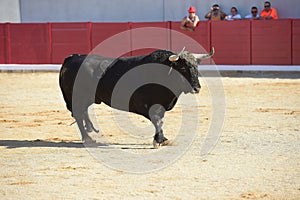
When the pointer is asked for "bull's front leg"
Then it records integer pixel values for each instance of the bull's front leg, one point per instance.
(159, 138)
(156, 118)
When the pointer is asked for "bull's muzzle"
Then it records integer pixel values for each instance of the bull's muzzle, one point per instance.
(196, 90)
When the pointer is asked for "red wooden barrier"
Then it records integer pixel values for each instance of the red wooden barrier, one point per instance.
(271, 42)
(231, 40)
(149, 36)
(239, 42)
(196, 42)
(69, 38)
(296, 42)
(201, 36)
(3, 43)
(111, 39)
(29, 43)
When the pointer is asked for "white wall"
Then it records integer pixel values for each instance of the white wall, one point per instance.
(9, 11)
(127, 10)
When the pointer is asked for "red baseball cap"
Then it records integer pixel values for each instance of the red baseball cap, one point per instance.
(192, 9)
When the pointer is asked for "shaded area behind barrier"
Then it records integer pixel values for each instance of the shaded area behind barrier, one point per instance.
(271, 42)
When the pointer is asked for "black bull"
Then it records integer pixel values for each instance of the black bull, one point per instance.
(148, 85)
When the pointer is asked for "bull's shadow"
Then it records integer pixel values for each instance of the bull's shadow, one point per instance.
(11, 144)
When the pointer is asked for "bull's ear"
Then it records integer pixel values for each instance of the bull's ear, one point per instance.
(173, 58)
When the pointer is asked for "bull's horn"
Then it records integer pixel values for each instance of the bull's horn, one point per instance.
(200, 56)
(181, 51)
(175, 57)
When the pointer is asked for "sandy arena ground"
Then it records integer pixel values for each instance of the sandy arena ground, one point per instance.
(257, 156)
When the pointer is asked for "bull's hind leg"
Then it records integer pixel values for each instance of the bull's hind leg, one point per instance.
(157, 113)
(88, 123)
(85, 137)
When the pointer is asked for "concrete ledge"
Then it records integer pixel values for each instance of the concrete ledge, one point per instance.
(253, 71)
(29, 67)
(254, 68)
(258, 71)
(270, 68)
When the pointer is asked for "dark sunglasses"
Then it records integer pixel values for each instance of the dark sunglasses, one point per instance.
(254, 12)
(267, 6)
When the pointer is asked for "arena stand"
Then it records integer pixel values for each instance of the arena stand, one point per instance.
(245, 42)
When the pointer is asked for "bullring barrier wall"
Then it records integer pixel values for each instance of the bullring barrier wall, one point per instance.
(246, 42)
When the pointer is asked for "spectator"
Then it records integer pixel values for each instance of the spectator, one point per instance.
(215, 13)
(234, 15)
(254, 14)
(268, 12)
(190, 22)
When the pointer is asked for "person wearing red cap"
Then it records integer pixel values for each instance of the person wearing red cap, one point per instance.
(190, 22)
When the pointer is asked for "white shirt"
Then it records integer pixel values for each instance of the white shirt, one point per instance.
(250, 16)
(230, 17)
(189, 19)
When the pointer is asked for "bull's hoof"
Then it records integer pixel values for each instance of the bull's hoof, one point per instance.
(156, 144)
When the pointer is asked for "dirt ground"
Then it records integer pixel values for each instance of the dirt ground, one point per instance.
(256, 157)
